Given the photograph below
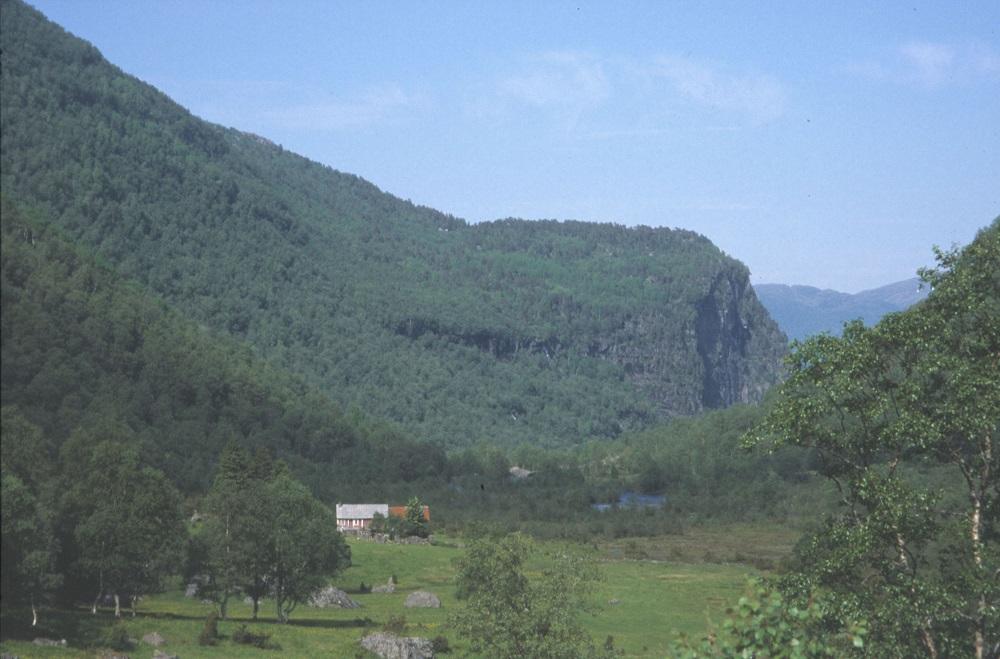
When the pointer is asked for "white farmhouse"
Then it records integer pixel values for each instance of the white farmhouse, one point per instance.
(358, 516)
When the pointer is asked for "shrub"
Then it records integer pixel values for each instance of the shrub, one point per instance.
(244, 636)
(439, 644)
(210, 632)
(116, 637)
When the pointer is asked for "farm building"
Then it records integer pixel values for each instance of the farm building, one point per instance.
(357, 516)
(400, 512)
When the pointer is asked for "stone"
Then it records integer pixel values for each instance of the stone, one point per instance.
(154, 639)
(389, 587)
(421, 599)
(6, 655)
(191, 590)
(160, 654)
(390, 646)
(49, 643)
(331, 597)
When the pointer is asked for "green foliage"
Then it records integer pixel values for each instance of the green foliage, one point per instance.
(268, 535)
(244, 636)
(116, 637)
(508, 614)
(440, 645)
(917, 559)
(126, 518)
(413, 521)
(210, 632)
(508, 332)
(763, 624)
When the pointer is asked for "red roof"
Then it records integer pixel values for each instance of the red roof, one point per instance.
(400, 511)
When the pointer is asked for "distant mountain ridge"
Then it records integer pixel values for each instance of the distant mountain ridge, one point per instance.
(502, 332)
(802, 311)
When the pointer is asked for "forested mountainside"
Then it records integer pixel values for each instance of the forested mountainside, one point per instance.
(507, 332)
(802, 311)
(84, 352)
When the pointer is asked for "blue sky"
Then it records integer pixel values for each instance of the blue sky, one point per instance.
(829, 144)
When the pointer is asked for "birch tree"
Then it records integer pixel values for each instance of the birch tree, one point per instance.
(905, 417)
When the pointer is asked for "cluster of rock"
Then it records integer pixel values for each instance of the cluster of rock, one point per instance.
(386, 539)
(331, 597)
(390, 646)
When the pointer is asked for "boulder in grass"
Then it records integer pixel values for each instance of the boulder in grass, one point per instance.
(390, 646)
(389, 587)
(331, 597)
(160, 654)
(154, 639)
(421, 599)
(49, 643)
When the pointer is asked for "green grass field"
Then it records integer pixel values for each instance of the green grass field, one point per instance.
(652, 601)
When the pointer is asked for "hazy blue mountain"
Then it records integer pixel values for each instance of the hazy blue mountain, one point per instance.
(804, 310)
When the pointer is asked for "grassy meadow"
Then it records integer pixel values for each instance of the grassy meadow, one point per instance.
(642, 600)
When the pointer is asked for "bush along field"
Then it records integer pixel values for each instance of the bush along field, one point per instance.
(641, 604)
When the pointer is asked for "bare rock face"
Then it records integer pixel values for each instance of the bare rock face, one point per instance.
(390, 646)
(421, 599)
(331, 597)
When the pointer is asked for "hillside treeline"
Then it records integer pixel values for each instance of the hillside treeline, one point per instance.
(506, 332)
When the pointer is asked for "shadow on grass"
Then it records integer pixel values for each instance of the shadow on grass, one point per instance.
(82, 629)
(78, 627)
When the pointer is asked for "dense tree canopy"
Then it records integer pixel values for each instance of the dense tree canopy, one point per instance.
(509, 615)
(507, 332)
(917, 558)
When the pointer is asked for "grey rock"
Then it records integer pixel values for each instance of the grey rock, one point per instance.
(191, 590)
(331, 597)
(160, 654)
(422, 599)
(389, 587)
(390, 646)
(154, 639)
(6, 655)
(49, 643)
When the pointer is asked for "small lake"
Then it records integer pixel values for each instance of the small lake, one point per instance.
(633, 500)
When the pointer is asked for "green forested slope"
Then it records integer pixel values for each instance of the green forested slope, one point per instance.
(83, 351)
(506, 332)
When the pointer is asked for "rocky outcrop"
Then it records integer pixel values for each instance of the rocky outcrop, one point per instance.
(390, 646)
(421, 599)
(331, 597)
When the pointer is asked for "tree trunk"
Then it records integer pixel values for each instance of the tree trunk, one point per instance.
(100, 592)
(224, 605)
(118, 607)
(34, 612)
(256, 604)
(134, 598)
